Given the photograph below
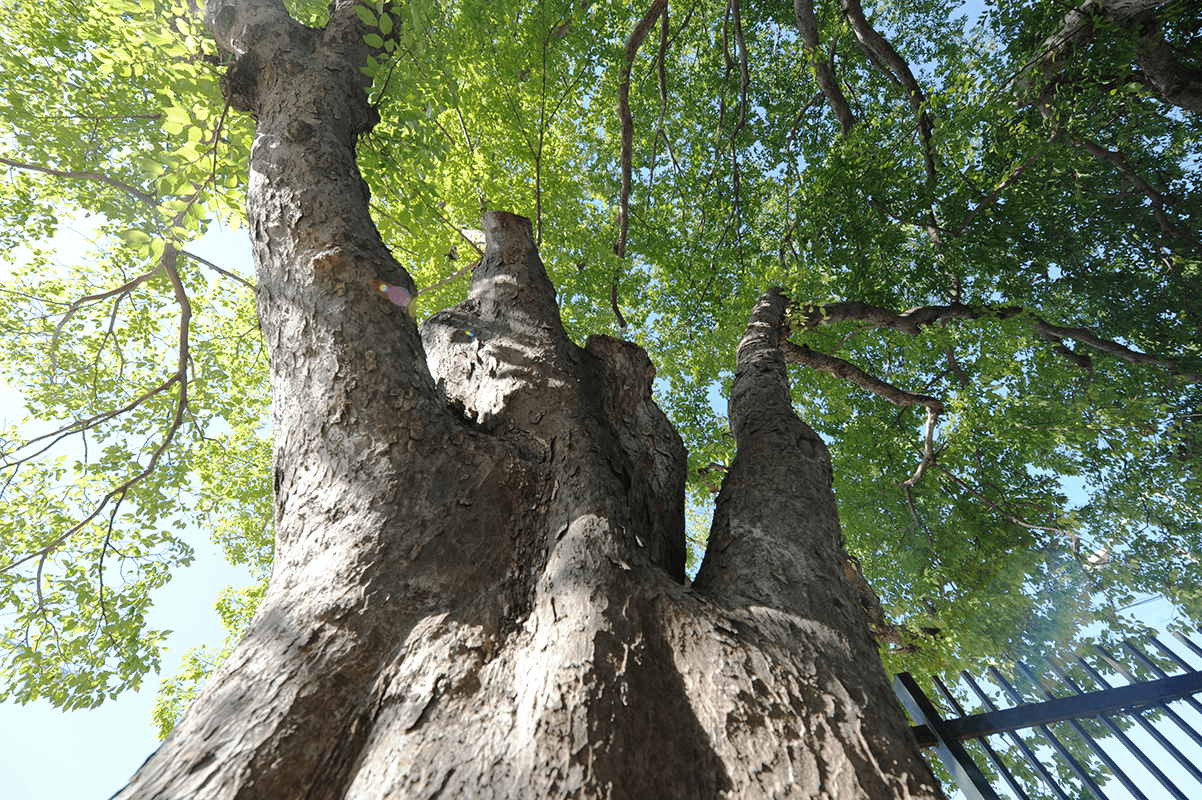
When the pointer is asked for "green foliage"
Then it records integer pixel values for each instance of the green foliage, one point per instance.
(1036, 201)
(236, 608)
(119, 102)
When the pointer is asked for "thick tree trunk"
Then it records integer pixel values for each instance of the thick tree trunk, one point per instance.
(478, 588)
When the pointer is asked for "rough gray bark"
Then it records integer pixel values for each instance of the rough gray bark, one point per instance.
(478, 587)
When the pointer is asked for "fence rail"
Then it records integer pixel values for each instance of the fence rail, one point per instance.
(1082, 717)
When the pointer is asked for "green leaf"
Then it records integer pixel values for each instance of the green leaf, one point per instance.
(367, 15)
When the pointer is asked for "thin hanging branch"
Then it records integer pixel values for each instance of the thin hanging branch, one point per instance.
(627, 121)
(662, 75)
(744, 71)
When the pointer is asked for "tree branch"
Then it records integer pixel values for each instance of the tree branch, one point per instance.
(807, 25)
(845, 370)
(1119, 160)
(878, 47)
(912, 321)
(627, 121)
(121, 290)
(218, 269)
(1016, 520)
(1001, 187)
(1173, 80)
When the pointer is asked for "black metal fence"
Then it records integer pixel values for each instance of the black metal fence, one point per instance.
(1065, 734)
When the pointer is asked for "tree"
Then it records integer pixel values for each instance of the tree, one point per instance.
(478, 575)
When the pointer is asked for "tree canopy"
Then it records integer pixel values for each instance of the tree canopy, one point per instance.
(992, 232)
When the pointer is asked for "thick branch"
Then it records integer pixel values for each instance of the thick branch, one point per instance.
(914, 320)
(240, 25)
(878, 47)
(807, 25)
(1176, 82)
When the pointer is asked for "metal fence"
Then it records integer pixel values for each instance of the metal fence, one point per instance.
(1068, 709)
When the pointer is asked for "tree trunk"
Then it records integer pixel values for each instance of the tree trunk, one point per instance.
(479, 582)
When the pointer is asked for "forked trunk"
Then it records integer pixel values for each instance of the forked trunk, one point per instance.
(479, 579)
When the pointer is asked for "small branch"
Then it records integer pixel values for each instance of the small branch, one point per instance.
(459, 231)
(218, 269)
(955, 367)
(845, 370)
(1001, 187)
(1119, 160)
(613, 302)
(1016, 520)
(121, 290)
(930, 226)
(448, 279)
(90, 176)
(915, 319)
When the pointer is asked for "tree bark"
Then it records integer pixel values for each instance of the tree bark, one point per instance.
(478, 587)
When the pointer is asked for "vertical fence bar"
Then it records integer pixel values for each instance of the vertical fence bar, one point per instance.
(1117, 732)
(1142, 658)
(951, 751)
(1185, 641)
(1176, 659)
(1031, 758)
(1164, 707)
(1056, 744)
(1079, 729)
(1149, 728)
(994, 758)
